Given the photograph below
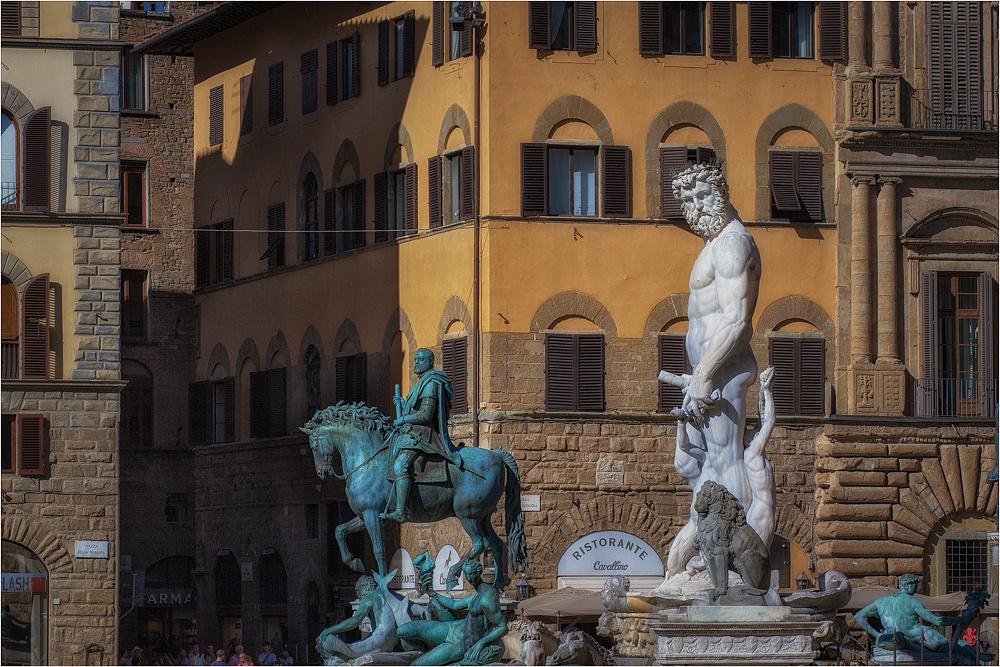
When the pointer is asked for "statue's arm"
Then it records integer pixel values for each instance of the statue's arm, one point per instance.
(861, 618)
(352, 622)
(451, 604)
(425, 415)
(494, 619)
(732, 259)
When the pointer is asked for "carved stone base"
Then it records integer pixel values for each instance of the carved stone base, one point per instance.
(734, 636)
(632, 632)
(877, 390)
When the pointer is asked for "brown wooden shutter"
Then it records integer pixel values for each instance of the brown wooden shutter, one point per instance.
(811, 376)
(225, 250)
(359, 214)
(276, 384)
(673, 359)
(329, 221)
(216, 120)
(38, 160)
(383, 53)
(434, 191)
(926, 393)
(539, 34)
(35, 328)
(590, 372)
(454, 355)
(258, 404)
(10, 19)
(309, 71)
(229, 397)
(276, 93)
(331, 72)
(673, 160)
(381, 212)
(202, 245)
(704, 155)
(534, 177)
(832, 30)
(616, 191)
(988, 342)
(356, 65)
(438, 26)
(781, 352)
(937, 52)
(969, 83)
(246, 104)
(341, 391)
(360, 376)
(809, 184)
(465, 42)
(200, 413)
(409, 43)
(468, 194)
(560, 362)
(722, 28)
(782, 174)
(760, 29)
(31, 445)
(651, 28)
(586, 27)
(410, 199)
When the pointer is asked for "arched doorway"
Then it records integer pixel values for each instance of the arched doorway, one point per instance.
(25, 607)
(229, 600)
(168, 606)
(273, 598)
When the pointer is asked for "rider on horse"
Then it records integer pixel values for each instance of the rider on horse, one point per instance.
(422, 427)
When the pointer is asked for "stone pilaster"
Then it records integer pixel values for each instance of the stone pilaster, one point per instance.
(861, 269)
(98, 303)
(888, 287)
(29, 19)
(856, 34)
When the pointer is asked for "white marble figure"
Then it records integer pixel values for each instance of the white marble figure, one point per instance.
(711, 436)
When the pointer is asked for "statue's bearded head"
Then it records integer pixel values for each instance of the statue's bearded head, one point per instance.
(423, 361)
(704, 194)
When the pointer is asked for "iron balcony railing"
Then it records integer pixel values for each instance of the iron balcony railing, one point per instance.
(956, 397)
(9, 196)
(932, 112)
(10, 368)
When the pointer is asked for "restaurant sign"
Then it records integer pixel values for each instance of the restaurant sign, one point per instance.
(607, 553)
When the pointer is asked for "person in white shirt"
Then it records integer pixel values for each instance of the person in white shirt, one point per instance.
(267, 657)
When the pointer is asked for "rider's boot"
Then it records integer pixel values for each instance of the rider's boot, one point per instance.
(402, 493)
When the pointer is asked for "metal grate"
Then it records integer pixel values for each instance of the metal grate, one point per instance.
(967, 565)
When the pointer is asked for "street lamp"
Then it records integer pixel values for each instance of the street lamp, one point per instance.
(467, 15)
(523, 589)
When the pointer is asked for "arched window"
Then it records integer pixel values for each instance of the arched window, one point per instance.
(273, 579)
(310, 215)
(228, 586)
(8, 163)
(137, 405)
(25, 613)
(11, 328)
(313, 385)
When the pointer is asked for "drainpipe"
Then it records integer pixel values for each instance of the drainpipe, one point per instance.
(477, 55)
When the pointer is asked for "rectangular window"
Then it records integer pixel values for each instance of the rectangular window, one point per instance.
(799, 374)
(275, 253)
(312, 521)
(453, 188)
(454, 362)
(966, 565)
(10, 19)
(214, 253)
(673, 359)
(396, 48)
(351, 218)
(796, 186)
(216, 119)
(309, 69)
(134, 195)
(134, 78)
(351, 66)
(246, 104)
(454, 36)
(176, 508)
(24, 445)
(135, 305)
(352, 377)
(9, 441)
(276, 93)
(574, 372)
(210, 411)
(399, 47)
(562, 26)
(267, 403)
(791, 30)
(572, 181)
(682, 27)
(396, 205)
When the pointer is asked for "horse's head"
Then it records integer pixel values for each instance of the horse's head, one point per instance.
(323, 449)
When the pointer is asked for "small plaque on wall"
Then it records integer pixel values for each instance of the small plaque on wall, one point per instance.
(531, 503)
(92, 549)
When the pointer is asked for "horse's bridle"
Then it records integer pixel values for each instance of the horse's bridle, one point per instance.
(371, 458)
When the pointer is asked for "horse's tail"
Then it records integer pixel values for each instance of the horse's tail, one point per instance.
(516, 542)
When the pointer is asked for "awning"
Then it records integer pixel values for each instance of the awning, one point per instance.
(951, 603)
(569, 604)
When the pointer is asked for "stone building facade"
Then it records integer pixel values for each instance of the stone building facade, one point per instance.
(61, 343)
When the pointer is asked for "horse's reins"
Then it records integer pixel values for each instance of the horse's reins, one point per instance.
(361, 465)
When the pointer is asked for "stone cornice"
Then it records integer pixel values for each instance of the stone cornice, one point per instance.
(63, 385)
(36, 217)
(860, 138)
(54, 43)
(898, 168)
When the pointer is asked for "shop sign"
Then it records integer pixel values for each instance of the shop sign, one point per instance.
(24, 583)
(405, 577)
(607, 553)
(92, 549)
(446, 557)
(167, 597)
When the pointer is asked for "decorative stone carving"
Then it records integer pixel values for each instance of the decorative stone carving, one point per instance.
(861, 100)
(865, 391)
(632, 632)
(887, 89)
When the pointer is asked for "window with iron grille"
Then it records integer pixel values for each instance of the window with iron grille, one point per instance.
(562, 26)
(574, 372)
(966, 565)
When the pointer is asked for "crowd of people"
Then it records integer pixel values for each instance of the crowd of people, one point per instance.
(193, 656)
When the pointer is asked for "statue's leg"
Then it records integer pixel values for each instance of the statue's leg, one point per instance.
(499, 553)
(373, 523)
(689, 457)
(725, 429)
(442, 654)
(342, 531)
(471, 526)
(401, 476)
(332, 646)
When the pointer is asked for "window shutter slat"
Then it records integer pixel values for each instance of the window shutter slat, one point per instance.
(538, 25)
(229, 394)
(534, 177)
(276, 93)
(673, 359)
(832, 30)
(809, 184)
(381, 214)
(331, 72)
(782, 357)
(454, 353)
(383, 53)
(200, 412)
(35, 328)
(329, 221)
(586, 27)
(359, 214)
(437, 33)
(246, 104)
(10, 18)
(590, 373)
(783, 181)
(928, 341)
(202, 239)
(651, 28)
(258, 404)
(410, 201)
(760, 29)
(341, 379)
(38, 160)
(276, 236)
(31, 445)
(215, 116)
(226, 250)
(309, 71)
(276, 384)
(616, 192)
(434, 191)
(559, 372)
(360, 378)
(465, 42)
(812, 376)
(409, 42)
(722, 27)
(356, 65)
(673, 160)
(468, 194)
(704, 155)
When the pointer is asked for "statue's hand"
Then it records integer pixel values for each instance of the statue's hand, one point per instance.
(698, 397)
(397, 401)
(399, 421)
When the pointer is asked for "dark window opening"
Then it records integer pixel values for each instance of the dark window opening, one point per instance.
(214, 253)
(683, 27)
(268, 403)
(312, 521)
(351, 377)
(309, 71)
(216, 118)
(228, 582)
(276, 93)
(314, 399)
(791, 29)
(136, 425)
(135, 304)
(176, 509)
(134, 76)
(966, 565)
(310, 216)
(275, 252)
(351, 67)
(133, 202)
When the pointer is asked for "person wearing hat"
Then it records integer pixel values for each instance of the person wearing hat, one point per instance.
(136, 658)
(267, 656)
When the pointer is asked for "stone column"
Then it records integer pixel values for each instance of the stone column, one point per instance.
(883, 34)
(887, 286)
(856, 33)
(861, 270)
